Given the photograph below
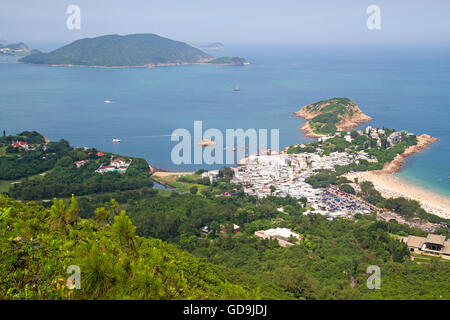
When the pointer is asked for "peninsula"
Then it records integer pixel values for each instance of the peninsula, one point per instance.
(14, 49)
(328, 116)
(135, 50)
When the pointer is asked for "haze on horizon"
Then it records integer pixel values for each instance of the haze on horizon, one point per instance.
(233, 22)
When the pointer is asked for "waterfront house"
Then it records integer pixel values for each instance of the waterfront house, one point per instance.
(119, 163)
(104, 169)
(433, 244)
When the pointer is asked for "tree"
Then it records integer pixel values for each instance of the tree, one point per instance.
(125, 230)
(272, 189)
(194, 190)
(347, 188)
(64, 215)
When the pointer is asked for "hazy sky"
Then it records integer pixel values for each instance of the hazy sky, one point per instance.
(230, 21)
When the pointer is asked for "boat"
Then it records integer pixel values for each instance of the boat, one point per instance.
(115, 140)
(237, 89)
(107, 101)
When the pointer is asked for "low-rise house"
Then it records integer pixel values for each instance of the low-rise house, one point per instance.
(433, 244)
(395, 137)
(118, 162)
(212, 175)
(283, 235)
(235, 229)
(22, 144)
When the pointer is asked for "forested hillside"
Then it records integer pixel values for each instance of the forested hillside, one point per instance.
(37, 246)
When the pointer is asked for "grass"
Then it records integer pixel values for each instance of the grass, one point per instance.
(425, 258)
(179, 185)
(5, 185)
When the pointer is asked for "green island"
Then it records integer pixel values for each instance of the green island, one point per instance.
(135, 50)
(328, 116)
(195, 242)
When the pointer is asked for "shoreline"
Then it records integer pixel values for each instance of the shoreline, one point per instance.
(424, 141)
(308, 132)
(345, 124)
(391, 186)
(145, 66)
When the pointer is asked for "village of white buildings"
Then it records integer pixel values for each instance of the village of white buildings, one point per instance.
(283, 174)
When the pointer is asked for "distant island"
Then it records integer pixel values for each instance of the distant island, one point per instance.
(230, 61)
(14, 49)
(135, 50)
(328, 116)
(212, 46)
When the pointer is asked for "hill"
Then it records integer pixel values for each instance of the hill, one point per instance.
(18, 49)
(212, 46)
(328, 116)
(229, 61)
(32, 167)
(135, 50)
(38, 245)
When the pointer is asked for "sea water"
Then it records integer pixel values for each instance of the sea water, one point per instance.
(401, 87)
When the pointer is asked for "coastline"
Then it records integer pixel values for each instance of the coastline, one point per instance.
(147, 66)
(390, 185)
(423, 142)
(384, 180)
(308, 132)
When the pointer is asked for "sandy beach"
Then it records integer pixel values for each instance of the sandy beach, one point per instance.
(391, 186)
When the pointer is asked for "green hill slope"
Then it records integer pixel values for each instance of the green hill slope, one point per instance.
(37, 246)
(329, 116)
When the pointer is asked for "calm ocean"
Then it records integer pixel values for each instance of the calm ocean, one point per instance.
(399, 87)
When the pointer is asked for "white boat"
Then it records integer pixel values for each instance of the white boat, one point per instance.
(107, 101)
(116, 140)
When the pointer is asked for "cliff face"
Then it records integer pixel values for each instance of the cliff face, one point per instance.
(336, 114)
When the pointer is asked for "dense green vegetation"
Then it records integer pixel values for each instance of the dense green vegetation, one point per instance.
(329, 263)
(38, 245)
(18, 163)
(332, 111)
(159, 248)
(116, 50)
(406, 207)
(47, 170)
(320, 267)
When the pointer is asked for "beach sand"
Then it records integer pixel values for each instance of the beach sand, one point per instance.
(163, 174)
(391, 186)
